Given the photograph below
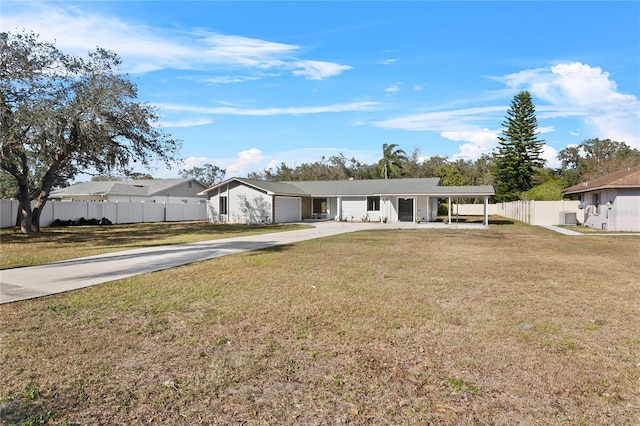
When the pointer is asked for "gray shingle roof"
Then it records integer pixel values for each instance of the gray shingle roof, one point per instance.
(143, 187)
(364, 187)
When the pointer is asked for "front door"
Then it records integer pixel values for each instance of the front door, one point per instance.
(405, 209)
(319, 208)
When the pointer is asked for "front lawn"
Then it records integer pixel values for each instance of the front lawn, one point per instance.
(511, 325)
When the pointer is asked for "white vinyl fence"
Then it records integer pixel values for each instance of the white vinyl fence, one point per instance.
(530, 212)
(118, 212)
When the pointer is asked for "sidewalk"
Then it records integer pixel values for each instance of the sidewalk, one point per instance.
(43, 280)
(566, 231)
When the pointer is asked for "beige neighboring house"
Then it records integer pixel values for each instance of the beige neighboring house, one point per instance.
(239, 200)
(610, 202)
(170, 191)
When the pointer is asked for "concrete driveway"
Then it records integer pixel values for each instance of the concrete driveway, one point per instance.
(43, 280)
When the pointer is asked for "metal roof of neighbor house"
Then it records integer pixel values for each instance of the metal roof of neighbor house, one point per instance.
(363, 187)
(142, 187)
(626, 178)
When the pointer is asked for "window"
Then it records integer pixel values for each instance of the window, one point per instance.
(373, 204)
(223, 205)
(596, 202)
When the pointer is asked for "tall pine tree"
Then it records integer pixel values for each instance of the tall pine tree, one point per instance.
(517, 160)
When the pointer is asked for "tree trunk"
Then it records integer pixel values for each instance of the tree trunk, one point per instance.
(43, 196)
(24, 208)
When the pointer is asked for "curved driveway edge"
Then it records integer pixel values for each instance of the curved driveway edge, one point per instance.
(43, 280)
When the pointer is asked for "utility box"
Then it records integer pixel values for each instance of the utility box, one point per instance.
(568, 218)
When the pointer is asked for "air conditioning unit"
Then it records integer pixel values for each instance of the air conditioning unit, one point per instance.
(568, 218)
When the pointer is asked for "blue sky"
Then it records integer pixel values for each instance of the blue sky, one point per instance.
(248, 85)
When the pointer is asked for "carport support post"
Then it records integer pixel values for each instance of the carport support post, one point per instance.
(486, 211)
(449, 210)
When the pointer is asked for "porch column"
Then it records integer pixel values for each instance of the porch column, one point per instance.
(449, 210)
(486, 211)
(339, 208)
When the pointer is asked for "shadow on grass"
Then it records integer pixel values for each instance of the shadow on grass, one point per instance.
(138, 235)
(493, 220)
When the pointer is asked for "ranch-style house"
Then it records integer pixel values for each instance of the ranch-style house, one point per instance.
(248, 201)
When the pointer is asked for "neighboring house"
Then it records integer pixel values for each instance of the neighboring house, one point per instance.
(239, 200)
(610, 202)
(171, 191)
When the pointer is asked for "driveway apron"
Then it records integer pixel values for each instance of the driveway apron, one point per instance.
(43, 280)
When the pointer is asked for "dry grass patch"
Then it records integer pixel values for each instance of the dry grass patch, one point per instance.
(53, 244)
(515, 325)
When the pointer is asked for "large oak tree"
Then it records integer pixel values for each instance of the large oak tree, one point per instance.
(594, 158)
(65, 115)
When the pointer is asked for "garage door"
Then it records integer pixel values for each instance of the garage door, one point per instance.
(288, 210)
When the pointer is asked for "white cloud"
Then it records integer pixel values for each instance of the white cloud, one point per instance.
(443, 121)
(350, 107)
(191, 162)
(78, 32)
(394, 88)
(317, 70)
(245, 162)
(586, 92)
(479, 142)
(185, 123)
(387, 61)
(550, 154)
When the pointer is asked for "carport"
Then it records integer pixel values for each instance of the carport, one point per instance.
(467, 192)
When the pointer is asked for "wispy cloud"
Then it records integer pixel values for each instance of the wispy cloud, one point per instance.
(443, 121)
(394, 88)
(350, 107)
(185, 123)
(77, 31)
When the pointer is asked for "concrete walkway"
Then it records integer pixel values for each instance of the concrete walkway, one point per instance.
(566, 231)
(43, 280)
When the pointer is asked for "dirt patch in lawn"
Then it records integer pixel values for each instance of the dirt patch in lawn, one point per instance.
(511, 325)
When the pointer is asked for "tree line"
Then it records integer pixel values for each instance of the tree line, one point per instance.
(62, 115)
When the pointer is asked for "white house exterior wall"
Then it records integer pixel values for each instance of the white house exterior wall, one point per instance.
(184, 191)
(332, 208)
(247, 205)
(374, 215)
(244, 205)
(389, 208)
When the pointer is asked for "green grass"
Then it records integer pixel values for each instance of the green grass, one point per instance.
(422, 326)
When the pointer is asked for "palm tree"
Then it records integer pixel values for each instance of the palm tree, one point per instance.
(392, 160)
